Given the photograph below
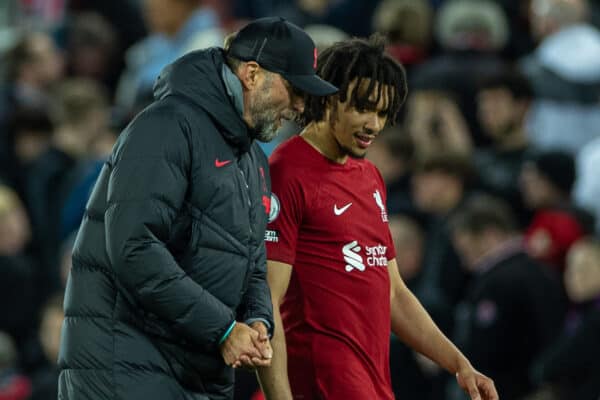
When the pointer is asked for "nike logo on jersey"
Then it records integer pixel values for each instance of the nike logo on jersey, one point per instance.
(340, 211)
(220, 164)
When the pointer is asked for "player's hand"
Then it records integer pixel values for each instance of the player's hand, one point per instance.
(476, 385)
(263, 344)
(240, 342)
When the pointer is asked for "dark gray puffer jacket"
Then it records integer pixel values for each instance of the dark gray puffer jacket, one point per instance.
(171, 248)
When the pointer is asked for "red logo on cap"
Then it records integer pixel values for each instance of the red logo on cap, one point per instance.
(315, 59)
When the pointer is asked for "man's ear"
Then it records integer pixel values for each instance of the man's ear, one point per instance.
(248, 73)
(331, 105)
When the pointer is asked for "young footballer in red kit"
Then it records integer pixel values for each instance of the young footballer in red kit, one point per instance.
(335, 286)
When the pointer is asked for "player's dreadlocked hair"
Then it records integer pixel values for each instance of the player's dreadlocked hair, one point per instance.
(360, 59)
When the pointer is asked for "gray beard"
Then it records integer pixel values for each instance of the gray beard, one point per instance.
(265, 127)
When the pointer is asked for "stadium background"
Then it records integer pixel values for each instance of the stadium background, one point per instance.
(503, 100)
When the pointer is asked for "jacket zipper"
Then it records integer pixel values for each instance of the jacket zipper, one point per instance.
(247, 197)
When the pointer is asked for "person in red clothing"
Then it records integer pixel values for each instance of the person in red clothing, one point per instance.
(331, 260)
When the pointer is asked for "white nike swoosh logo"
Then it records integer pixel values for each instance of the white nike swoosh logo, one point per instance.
(340, 211)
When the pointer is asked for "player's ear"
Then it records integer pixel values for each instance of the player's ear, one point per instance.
(331, 105)
(248, 73)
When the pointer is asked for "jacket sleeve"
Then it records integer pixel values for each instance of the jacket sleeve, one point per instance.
(256, 303)
(147, 186)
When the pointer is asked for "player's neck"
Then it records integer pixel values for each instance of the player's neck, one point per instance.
(320, 137)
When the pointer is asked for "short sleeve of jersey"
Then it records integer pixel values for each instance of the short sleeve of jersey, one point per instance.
(391, 248)
(287, 203)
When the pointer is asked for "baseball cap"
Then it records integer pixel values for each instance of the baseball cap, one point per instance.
(282, 47)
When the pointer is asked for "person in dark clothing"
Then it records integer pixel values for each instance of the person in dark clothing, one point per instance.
(33, 65)
(440, 186)
(572, 363)
(393, 155)
(167, 291)
(502, 104)
(514, 307)
(546, 182)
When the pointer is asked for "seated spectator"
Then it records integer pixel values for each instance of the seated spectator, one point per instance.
(572, 363)
(546, 183)
(502, 102)
(513, 308)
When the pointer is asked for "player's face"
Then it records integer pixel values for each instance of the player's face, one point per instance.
(274, 101)
(469, 247)
(355, 129)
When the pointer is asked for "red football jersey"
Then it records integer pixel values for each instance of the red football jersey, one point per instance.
(329, 221)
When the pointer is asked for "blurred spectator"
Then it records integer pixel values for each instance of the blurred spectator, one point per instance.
(124, 15)
(393, 155)
(572, 363)
(409, 240)
(92, 48)
(471, 34)
(348, 15)
(45, 380)
(408, 381)
(81, 182)
(17, 269)
(435, 123)
(33, 66)
(439, 187)
(325, 35)
(80, 113)
(407, 24)
(13, 385)
(565, 74)
(587, 184)
(252, 9)
(546, 183)
(502, 102)
(513, 307)
(30, 135)
(42, 14)
(520, 41)
(177, 27)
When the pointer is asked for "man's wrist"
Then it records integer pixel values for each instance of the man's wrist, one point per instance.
(227, 332)
(462, 363)
(266, 323)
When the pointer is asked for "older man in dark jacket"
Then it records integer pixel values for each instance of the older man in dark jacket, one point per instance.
(167, 289)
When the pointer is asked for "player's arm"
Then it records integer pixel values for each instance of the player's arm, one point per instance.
(412, 324)
(274, 379)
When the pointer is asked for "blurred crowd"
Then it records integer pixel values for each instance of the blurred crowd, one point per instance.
(493, 189)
